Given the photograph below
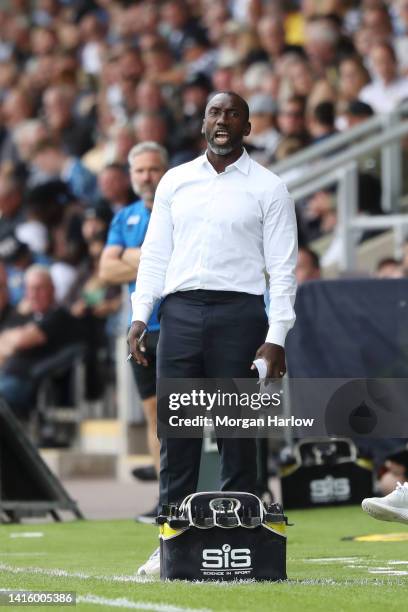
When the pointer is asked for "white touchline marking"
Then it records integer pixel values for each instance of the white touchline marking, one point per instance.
(388, 572)
(135, 605)
(397, 562)
(27, 534)
(122, 602)
(308, 582)
(60, 573)
(333, 560)
(22, 554)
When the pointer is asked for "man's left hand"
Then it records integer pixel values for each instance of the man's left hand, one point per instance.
(274, 356)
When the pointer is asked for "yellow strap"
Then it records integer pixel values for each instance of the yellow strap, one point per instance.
(278, 528)
(167, 532)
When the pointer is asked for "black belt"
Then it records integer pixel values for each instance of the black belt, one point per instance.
(208, 295)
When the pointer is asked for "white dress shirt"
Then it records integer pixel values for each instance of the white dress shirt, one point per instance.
(221, 232)
(384, 98)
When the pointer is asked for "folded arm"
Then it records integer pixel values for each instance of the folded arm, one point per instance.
(20, 338)
(119, 265)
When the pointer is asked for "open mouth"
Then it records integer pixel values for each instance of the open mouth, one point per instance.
(221, 137)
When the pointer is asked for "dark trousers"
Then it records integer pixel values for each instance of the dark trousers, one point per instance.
(208, 334)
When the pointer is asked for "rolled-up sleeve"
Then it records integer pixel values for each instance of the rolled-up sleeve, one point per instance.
(280, 251)
(156, 253)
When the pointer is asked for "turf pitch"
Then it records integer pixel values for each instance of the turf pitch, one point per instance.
(98, 560)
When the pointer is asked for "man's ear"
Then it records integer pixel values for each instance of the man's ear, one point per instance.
(202, 126)
(247, 130)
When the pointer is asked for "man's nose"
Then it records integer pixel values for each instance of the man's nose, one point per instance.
(222, 117)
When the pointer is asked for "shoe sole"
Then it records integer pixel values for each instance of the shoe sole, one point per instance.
(142, 572)
(384, 513)
(146, 520)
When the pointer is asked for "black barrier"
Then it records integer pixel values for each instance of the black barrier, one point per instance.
(324, 472)
(27, 486)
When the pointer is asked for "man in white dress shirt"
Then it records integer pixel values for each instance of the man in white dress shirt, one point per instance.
(388, 89)
(218, 224)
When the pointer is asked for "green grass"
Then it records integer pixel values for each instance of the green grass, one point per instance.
(105, 551)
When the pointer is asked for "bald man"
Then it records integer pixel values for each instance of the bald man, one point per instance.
(218, 223)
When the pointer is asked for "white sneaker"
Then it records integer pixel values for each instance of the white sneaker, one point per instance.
(392, 507)
(152, 565)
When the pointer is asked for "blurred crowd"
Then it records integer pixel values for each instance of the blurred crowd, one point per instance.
(83, 81)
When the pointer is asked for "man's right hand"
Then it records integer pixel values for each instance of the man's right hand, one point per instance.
(137, 349)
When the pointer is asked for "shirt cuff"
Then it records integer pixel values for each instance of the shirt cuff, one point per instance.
(277, 334)
(141, 312)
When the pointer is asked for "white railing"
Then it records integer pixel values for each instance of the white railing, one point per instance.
(341, 169)
(377, 126)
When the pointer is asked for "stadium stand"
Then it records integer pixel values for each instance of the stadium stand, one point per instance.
(82, 82)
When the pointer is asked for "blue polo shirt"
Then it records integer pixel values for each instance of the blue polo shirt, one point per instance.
(128, 229)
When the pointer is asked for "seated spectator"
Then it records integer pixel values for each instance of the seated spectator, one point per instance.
(178, 25)
(11, 204)
(300, 77)
(287, 146)
(149, 98)
(8, 154)
(356, 112)
(7, 312)
(194, 98)
(271, 32)
(308, 265)
(292, 120)
(94, 222)
(91, 295)
(114, 187)
(376, 17)
(17, 257)
(26, 137)
(263, 138)
(388, 89)
(48, 206)
(389, 267)
(92, 32)
(254, 77)
(95, 304)
(353, 76)
(122, 139)
(73, 133)
(45, 330)
(17, 107)
(52, 163)
(322, 91)
(150, 126)
(401, 40)
(322, 38)
(321, 122)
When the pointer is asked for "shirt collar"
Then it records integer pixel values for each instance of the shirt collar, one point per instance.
(242, 163)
